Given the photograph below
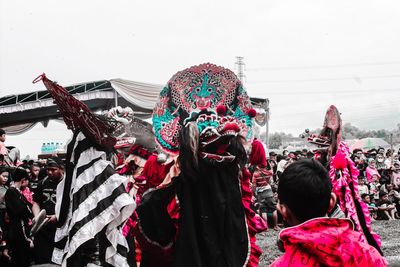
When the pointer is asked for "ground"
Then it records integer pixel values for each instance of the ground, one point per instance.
(388, 230)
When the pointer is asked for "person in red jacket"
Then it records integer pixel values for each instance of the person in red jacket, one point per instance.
(312, 239)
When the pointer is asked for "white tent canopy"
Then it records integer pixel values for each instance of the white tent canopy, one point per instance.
(143, 95)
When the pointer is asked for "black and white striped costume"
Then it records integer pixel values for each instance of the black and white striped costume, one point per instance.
(92, 205)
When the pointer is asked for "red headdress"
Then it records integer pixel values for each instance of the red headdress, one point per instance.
(77, 116)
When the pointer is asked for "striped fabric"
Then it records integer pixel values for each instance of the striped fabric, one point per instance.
(91, 199)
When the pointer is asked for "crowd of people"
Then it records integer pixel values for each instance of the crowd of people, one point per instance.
(27, 188)
(31, 187)
(378, 182)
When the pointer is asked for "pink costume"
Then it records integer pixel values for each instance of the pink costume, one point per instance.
(326, 242)
(335, 154)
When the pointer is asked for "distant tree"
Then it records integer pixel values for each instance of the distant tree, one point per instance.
(275, 140)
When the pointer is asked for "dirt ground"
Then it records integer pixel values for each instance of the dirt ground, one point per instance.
(388, 230)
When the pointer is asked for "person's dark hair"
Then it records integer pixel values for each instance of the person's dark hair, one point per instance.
(42, 173)
(2, 132)
(310, 154)
(382, 194)
(306, 189)
(55, 162)
(3, 169)
(279, 158)
(19, 174)
(363, 196)
(35, 164)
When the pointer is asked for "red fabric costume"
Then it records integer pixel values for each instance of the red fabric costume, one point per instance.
(326, 242)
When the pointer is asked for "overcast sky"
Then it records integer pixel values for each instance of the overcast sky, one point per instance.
(302, 55)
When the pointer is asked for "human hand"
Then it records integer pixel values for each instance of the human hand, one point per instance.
(30, 243)
(6, 255)
(52, 218)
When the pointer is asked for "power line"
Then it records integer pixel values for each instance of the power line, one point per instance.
(329, 91)
(355, 78)
(326, 66)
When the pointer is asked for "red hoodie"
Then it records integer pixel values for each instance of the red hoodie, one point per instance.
(326, 242)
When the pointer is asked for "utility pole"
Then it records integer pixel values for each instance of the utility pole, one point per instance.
(240, 68)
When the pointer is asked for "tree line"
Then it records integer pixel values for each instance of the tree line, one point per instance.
(349, 131)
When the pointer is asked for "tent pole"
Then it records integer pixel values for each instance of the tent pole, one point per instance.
(116, 98)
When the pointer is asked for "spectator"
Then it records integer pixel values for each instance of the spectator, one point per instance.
(3, 149)
(33, 183)
(371, 170)
(3, 189)
(389, 158)
(362, 187)
(372, 153)
(371, 206)
(45, 198)
(380, 162)
(304, 198)
(386, 209)
(262, 175)
(281, 167)
(374, 187)
(272, 161)
(25, 189)
(310, 155)
(393, 197)
(395, 176)
(19, 212)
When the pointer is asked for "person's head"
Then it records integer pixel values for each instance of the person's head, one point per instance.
(273, 155)
(396, 166)
(285, 153)
(292, 156)
(383, 196)
(381, 150)
(355, 159)
(28, 170)
(389, 187)
(380, 158)
(2, 135)
(55, 168)
(366, 198)
(372, 153)
(3, 175)
(371, 162)
(375, 178)
(361, 180)
(304, 192)
(389, 153)
(35, 169)
(358, 152)
(310, 154)
(20, 176)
